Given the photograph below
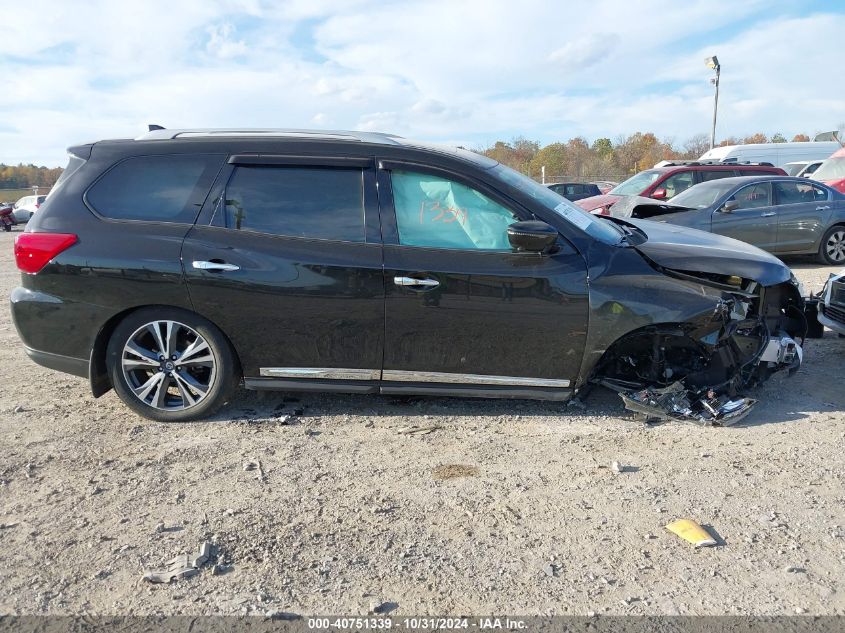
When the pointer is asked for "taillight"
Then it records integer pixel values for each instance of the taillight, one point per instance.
(34, 250)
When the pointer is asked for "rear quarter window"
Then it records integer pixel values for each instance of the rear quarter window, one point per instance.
(155, 188)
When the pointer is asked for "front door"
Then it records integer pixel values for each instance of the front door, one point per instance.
(290, 268)
(463, 311)
(754, 221)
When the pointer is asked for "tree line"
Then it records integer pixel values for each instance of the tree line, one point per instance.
(577, 158)
(25, 176)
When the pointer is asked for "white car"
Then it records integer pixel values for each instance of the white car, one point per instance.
(832, 303)
(26, 206)
(802, 168)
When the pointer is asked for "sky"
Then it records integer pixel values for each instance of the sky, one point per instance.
(462, 72)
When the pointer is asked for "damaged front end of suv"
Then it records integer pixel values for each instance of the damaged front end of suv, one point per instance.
(698, 334)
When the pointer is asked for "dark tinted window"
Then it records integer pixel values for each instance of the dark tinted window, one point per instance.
(756, 172)
(155, 188)
(716, 174)
(316, 202)
(798, 192)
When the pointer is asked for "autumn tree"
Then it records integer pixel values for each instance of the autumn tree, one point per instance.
(696, 146)
(759, 137)
(603, 148)
(554, 158)
(800, 138)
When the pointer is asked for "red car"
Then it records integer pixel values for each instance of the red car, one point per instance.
(831, 172)
(667, 181)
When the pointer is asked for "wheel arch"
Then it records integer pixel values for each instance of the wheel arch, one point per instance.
(98, 374)
(840, 222)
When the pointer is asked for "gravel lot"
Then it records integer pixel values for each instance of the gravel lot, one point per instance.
(507, 507)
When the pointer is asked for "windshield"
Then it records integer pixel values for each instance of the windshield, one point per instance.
(595, 227)
(792, 169)
(831, 169)
(635, 185)
(702, 195)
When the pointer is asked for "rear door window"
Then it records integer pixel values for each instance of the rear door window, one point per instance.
(798, 192)
(167, 188)
(324, 203)
(716, 174)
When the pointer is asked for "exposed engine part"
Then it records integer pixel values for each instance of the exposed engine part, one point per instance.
(697, 370)
(676, 402)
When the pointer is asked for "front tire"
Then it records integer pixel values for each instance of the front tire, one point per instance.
(171, 365)
(832, 248)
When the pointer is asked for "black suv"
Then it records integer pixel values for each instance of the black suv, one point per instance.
(172, 266)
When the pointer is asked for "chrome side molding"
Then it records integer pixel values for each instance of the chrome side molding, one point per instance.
(321, 372)
(469, 379)
(395, 375)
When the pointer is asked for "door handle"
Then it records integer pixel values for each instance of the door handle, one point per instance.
(215, 266)
(411, 282)
(822, 208)
(768, 214)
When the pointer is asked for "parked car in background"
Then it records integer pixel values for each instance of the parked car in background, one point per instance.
(782, 215)
(26, 206)
(832, 171)
(575, 190)
(172, 266)
(832, 303)
(802, 168)
(778, 154)
(670, 178)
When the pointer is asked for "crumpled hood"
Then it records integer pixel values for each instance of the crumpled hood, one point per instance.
(594, 202)
(626, 205)
(684, 249)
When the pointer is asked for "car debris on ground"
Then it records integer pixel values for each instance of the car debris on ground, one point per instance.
(183, 566)
(691, 531)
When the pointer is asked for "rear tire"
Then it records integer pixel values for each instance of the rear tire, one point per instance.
(832, 247)
(171, 365)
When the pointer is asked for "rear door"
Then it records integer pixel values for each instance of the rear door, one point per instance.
(289, 265)
(802, 212)
(754, 222)
(463, 311)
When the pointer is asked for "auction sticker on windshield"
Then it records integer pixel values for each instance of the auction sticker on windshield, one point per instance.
(577, 217)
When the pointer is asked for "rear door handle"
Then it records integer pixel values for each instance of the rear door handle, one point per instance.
(412, 282)
(768, 214)
(822, 208)
(215, 266)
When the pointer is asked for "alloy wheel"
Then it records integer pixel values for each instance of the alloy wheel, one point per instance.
(835, 246)
(168, 365)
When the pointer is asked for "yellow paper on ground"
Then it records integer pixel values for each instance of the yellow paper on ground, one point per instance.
(691, 531)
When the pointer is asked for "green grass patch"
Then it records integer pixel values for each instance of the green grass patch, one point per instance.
(13, 195)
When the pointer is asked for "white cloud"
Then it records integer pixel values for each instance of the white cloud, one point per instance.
(474, 71)
(221, 42)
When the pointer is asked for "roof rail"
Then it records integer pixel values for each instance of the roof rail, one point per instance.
(157, 132)
(727, 163)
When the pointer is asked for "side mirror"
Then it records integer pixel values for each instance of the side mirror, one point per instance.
(532, 236)
(659, 194)
(730, 206)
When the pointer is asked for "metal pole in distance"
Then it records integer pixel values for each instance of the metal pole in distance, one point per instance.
(715, 108)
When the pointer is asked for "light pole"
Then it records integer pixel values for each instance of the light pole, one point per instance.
(713, 62)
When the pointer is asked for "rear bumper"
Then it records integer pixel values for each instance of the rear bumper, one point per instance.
(66, 364)
(56, 333)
